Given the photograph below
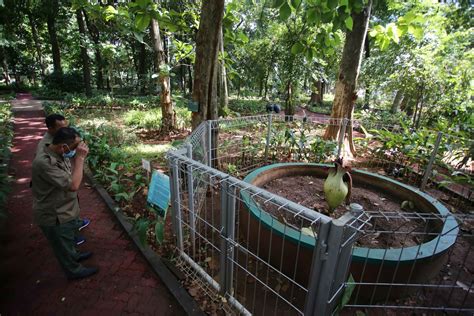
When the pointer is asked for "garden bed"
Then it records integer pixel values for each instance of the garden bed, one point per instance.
(308, 191)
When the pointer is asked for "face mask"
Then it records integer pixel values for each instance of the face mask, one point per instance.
(70, 154)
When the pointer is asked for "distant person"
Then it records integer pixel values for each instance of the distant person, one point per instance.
(55, 203)
(54, 122)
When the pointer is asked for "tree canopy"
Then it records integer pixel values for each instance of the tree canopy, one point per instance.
(417, 56)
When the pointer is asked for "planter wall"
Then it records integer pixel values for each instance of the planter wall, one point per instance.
(417, 264)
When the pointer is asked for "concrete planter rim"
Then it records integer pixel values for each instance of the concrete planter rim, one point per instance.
(433, 247)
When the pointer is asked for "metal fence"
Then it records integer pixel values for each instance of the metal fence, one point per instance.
(250, 251)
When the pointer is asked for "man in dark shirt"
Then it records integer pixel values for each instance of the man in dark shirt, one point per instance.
(55, 204)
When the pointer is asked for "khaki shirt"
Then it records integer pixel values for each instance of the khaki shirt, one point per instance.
(46, 140)
(53, 201)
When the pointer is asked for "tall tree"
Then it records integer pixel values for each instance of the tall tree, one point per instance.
(345, 91)
(222, 79)
(205, 66)
(95, 36)
(168, 116)
(39, 53)
(86, 69)
(53, 8)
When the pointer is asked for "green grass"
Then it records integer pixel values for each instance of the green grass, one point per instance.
(152, 152)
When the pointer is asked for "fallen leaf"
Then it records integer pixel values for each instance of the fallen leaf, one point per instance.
(464, 286)
(193, 291)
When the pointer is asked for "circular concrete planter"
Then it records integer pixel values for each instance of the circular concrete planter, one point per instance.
(414, 265)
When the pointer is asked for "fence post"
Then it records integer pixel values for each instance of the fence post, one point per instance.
(176, 203)
(342, 133)
(192, 211)
(209, 142)
(429, 167)
(267, 144)
(228, 200)
(330, 266)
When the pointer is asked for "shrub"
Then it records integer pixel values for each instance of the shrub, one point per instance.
(6, 135)
(67, 82)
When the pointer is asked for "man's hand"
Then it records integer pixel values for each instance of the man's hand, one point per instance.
(82, 150)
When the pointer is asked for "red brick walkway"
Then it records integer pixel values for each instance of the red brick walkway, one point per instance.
(31, 281)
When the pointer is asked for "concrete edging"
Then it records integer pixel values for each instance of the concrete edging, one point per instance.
(188, 304)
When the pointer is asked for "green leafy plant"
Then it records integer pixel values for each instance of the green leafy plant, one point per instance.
(6, 136)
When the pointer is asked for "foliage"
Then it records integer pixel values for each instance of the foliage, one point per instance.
(248, 106)
(107, 101)
(151, 119)
(6, 135)
(300, 142)
(68, 82)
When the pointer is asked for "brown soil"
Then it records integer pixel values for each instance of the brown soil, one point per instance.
(156, 137)
(308, 191)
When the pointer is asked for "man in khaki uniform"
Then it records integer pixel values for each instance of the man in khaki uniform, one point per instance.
(54, 122)
(55, 204)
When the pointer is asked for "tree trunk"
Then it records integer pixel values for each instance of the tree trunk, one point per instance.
(367, 89)
(142, 68)
(396, 102)
(53, 37)
(95, 36)
(238, 89)
(289, 106)
(316, 93)
(39, 53)
(190, 79)
(223, 91)
(6, 73)
(345, 91)
(86, 69)
(265, 91)
(205, 69)
(168, 118)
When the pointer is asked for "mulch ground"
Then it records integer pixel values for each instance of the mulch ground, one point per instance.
(31, 280)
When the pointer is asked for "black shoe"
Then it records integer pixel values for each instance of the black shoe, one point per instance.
(86, 272)
(84, 256)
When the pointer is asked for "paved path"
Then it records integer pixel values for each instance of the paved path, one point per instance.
(31, 281)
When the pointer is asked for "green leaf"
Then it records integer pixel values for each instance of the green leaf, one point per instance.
(143, 3)
(297, 48)
(141, 227)
(312, 16)
(142, 21)
(109, 12)
(160, 231)
(295, 3)
(385, 42)
(327, 17)
(348, 291)
(344, 3)
(392, 32)
(278, 3)
(332, 4)
(349, 23)
(285, 11)
(309, 54)
(416, 31)
(244, 38)
(138, 36)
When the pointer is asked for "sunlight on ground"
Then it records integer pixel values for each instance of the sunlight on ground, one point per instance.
(147, 151)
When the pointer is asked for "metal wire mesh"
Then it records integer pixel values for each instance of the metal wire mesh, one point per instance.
(267, 255)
